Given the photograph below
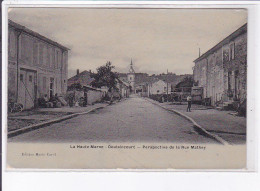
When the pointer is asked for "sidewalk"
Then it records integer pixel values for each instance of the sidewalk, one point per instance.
(229, 127)
(23, 119)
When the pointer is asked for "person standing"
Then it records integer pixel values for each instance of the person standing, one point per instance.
(189, 103)
(71, 98)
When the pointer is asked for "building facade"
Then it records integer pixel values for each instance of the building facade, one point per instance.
(222, 70)
(123, 88)
(36, 66)
(158, 87)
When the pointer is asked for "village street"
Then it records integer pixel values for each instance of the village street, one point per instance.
(131, 120)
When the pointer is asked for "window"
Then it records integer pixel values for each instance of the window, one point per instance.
(232, 51)
(44, 84)
(21, 77)
(229, 80)
(226, 55)
(35, 53)
(51, 87)
(237, 84)
(56, 59)
(41, 54)
(30, 78)
(165, 88)
(130, 78)
(53, 58)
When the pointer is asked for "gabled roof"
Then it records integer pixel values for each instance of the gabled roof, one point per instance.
(123, 82)
(84, 78)
(35, 34)
(226, 40)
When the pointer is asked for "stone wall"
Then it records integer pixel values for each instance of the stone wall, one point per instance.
(200, 75)
(94, 96)
(239, 65)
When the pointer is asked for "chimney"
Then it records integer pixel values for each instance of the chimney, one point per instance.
(77, 71)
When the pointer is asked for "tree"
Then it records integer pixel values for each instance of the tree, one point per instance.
(186, 82)
(105, 77)
(75, 86)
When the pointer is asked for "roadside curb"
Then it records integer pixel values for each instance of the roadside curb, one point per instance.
(42, 124)
(196, 126)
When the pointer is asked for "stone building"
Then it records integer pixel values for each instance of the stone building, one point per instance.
(36, 66)
(222, 70)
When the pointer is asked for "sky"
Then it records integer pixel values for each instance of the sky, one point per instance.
(155, 39)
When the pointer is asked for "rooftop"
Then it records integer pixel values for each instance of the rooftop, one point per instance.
(84, 78)
(35, 34)
(226, 40)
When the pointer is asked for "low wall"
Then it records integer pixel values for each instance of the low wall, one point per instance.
(94, 96)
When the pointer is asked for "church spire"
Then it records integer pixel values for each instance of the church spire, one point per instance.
(131, 70)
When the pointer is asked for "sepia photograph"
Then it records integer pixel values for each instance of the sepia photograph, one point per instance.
(138, 88)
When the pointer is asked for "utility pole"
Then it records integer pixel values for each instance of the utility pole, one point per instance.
(167, 83)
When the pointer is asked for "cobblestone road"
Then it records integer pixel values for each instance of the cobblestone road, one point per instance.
(132, 120)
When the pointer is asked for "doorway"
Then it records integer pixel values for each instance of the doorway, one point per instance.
(27, 88)
(237, 84)
(51, 87)
(213, 101)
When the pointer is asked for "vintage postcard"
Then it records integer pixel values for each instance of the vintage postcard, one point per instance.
(126, 88)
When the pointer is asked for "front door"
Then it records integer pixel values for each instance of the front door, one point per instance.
(51, 87)
(213, 96)
(21, 88)
(30, 93)
(237, 85)
(26, 91)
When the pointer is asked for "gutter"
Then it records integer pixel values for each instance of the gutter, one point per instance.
(17, 63)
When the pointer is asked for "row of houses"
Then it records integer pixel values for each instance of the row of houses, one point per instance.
(222, 70)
